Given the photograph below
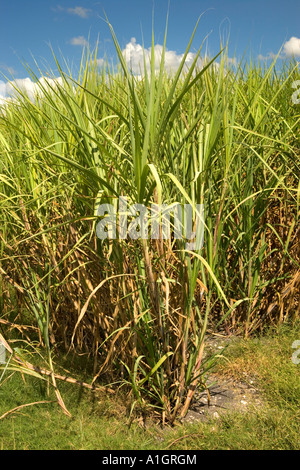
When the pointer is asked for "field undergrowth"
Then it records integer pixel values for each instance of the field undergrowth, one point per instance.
(102, 422)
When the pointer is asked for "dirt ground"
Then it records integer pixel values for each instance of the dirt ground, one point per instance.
(226, 394)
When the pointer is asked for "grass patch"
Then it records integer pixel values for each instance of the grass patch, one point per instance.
(268, 360)
(101, 422)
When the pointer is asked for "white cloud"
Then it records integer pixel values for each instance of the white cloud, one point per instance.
(232, 61)
(2, 88)
(134, 57)
(100, 62)
(8, 90)
(292, 47)
(79, 41)
(269, 56)
(79, 11)
(3, 95)
(7, 69)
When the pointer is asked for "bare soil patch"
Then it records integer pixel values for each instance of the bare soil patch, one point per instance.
(225, 393)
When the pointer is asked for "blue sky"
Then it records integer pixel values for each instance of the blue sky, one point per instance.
(28, 27)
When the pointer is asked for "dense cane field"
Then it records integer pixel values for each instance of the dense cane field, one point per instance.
(219, 133)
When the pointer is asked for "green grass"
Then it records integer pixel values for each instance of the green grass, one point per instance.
(268, 359)
(100, 422)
